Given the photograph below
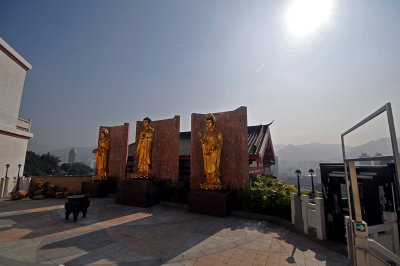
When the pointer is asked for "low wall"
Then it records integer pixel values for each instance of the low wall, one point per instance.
(72, 183)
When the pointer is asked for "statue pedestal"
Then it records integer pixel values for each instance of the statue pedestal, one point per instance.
(139, 193)
(96, 189)
(210, 202)
(111, 185)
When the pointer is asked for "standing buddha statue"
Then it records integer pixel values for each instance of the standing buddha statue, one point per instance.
(102, 155)
(144, 150)
(211, 143)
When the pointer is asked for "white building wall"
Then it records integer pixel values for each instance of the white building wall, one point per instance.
(13, 140)
(13, 152)
(12, 78)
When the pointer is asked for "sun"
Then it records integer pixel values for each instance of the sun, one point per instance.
(304, 17)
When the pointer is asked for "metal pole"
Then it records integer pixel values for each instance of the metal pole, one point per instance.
(298, 185)
(7, 166)
(19, 169)
(18, 178)
(395, 147)
(352, 258)
(311, 172)
(298, 173)
(370, 117)
(312, 184)
(5, 180)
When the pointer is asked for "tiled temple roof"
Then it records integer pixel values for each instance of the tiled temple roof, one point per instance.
(256, 136)
(184, 144)
(131, 149)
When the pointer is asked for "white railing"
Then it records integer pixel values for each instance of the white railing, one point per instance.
(24, 125)
(10, 185)
(313, 214)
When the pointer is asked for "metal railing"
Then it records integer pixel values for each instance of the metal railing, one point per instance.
(373, 247)
(395, 148)
(382, 253)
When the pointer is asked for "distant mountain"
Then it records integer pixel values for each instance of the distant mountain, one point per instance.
(383, 146)
(308, 152)
(294, 154)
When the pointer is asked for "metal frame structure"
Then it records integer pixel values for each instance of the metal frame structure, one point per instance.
(350, 163)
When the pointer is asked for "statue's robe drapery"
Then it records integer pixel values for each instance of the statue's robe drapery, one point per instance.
(102, 156)
(144, 150)
(211, 144)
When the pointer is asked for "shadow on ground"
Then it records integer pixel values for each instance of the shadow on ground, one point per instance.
(127, 235)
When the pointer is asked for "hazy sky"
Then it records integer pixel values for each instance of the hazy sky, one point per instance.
(316, 70)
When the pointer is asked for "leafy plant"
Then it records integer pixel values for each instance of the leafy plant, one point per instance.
(270, 196)
(41, 165)
(76, 169)
(177, 191)
(308, 192)
(48, 165)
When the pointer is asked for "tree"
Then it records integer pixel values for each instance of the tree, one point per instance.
(76, 169)
(271, 196)
(44, 165)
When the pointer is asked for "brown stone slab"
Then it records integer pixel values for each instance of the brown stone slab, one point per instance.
(95, 189)
(210, 203)
(165, 155)
(139, 193)
(234, 155)
(118, 154)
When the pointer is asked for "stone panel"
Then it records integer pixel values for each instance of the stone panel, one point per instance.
(234, 156)
(165, 155)
(118, 154)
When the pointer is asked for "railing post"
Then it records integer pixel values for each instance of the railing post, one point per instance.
(320, 215)
(297, 219)
(304, 210)
(2, 187)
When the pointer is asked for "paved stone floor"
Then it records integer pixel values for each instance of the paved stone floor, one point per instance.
(35, 233)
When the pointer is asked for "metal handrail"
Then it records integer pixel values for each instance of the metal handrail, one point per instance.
(396, 158)
(372, 244)
(365, 120)
(378, 158)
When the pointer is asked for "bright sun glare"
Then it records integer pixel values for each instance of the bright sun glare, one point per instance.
(304, 17)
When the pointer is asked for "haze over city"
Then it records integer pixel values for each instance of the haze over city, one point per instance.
(315, 70)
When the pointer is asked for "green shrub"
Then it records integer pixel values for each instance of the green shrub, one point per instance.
(253, 177)
(308, 192)
(177, 191)
(270, 196)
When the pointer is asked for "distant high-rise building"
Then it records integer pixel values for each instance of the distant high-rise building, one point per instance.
(91, 163)
(73, 156)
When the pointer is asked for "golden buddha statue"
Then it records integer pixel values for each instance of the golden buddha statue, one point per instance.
(144, 150)
(211, 143)
(102, 155)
